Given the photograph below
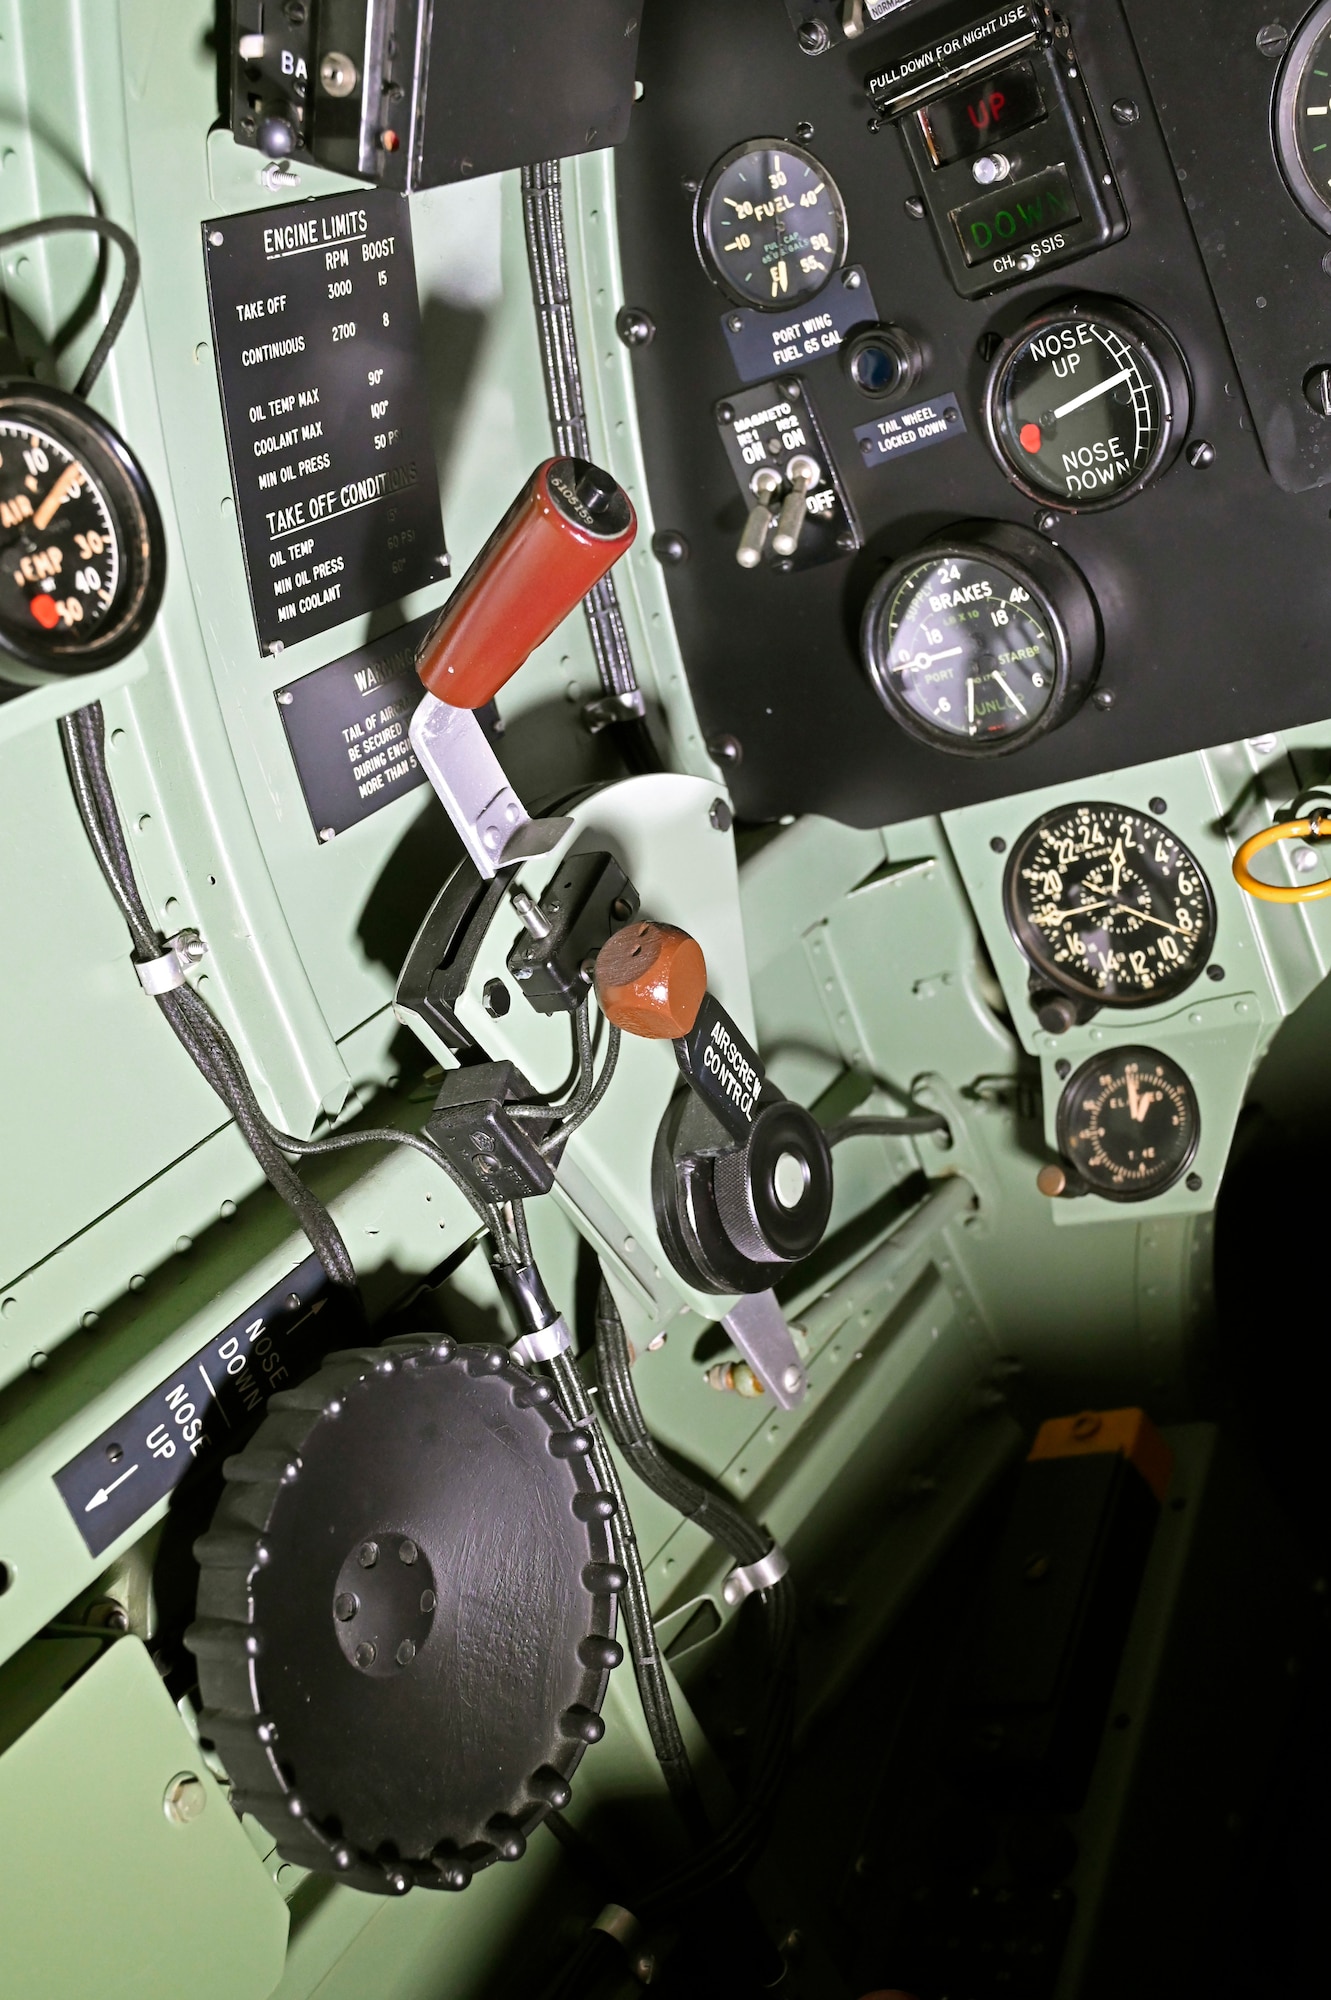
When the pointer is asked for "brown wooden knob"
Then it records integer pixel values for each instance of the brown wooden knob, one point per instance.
(650, 980)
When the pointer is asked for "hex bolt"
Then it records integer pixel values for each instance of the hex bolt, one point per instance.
(345, 1606)
(184, 1798)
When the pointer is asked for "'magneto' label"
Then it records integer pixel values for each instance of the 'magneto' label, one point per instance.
(722, 1067)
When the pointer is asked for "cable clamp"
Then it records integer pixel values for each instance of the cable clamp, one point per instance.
(761, 1575)
(543, 1346)
(611, 708)
(164, 974)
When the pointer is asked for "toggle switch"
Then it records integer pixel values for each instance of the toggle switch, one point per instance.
(803, 474)
(766, 484)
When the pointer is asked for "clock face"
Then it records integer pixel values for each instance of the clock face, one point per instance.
(1129, 1124)
(771, 225)
(1108, 905)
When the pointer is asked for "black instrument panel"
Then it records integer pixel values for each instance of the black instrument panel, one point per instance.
(1212, 582)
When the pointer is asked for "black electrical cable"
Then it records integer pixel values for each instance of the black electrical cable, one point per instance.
(903, 1127)
(735, 1848)
(713, 1512)
(203, 1038)
(581, 1107)
(547, 262)
(111, 232)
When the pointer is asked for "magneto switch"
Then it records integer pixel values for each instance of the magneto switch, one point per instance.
(766, 484)
(803, 474)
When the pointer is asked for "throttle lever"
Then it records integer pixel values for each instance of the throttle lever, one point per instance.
(570, 523)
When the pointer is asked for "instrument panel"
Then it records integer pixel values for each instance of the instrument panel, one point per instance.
(1090, 393)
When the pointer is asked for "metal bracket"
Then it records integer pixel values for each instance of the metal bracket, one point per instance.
(492, 822)
(164, 974)
(543, 1346)
(611, 708)
(748, 1577)
(758, 1328)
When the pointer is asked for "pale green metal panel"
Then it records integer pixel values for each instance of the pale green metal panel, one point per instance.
(99, 1889)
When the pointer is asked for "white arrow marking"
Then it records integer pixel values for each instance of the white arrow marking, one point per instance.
(103, 1493)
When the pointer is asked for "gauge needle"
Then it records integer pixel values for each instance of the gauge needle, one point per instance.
(1118, 858)
(57, 496)
(923, 661)
(1149, 918)
(1139, 1101)
(1016, 700)
(1061, 916)
(1089, 395)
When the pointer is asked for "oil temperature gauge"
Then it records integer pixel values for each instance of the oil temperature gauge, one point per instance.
(1128, 1123)
(1086, 404)
(770, 225)
(982, 640)
(82, 557)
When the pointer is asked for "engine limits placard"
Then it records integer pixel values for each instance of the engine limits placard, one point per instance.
(317, 335)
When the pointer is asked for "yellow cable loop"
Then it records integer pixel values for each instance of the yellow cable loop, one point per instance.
(1315, 828)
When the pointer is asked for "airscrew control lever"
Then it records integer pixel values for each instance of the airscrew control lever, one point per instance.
(568, 525)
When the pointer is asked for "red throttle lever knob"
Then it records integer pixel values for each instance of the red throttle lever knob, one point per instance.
(570, 522)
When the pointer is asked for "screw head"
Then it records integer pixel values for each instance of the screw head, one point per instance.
(216, 238)
(428, 1601)
(804, 131)
(406, 1653)
(851, 281)
(635, 327)
(1305, 861)
(997, 844)
(915, 208)
(1200, 454)
(1215, 972)
(1046, 523)
(1272, 40)
(327, 833)
(1317, 389)
(812, 37)
(407, 1550)
(791, 1378)
(345, 1606)
(1051, 1181)
(1158, 805)
(720, 816)
(494, 999)
(1124, 111)
(184, 1798)
(727, 750)
(1062, 1067)
(724, 413)
(1103, 698)
(670, 547)
(1193, 1183)
(369, 1555)
(366, 1653)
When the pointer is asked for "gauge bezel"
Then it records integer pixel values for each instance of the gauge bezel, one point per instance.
(702, 229)
(87, 436)
(1053, 975)
(1159, 353)
(1095, 1065)
(1284, 99)
(1042, 569)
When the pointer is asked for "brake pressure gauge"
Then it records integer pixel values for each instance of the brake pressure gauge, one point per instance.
(82, 558)
(770, 225)
(1086, 404)
(1128, 1122)
(982, 640)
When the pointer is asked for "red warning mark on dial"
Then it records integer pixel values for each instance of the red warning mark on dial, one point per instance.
(1029, 437)
(43, 610)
